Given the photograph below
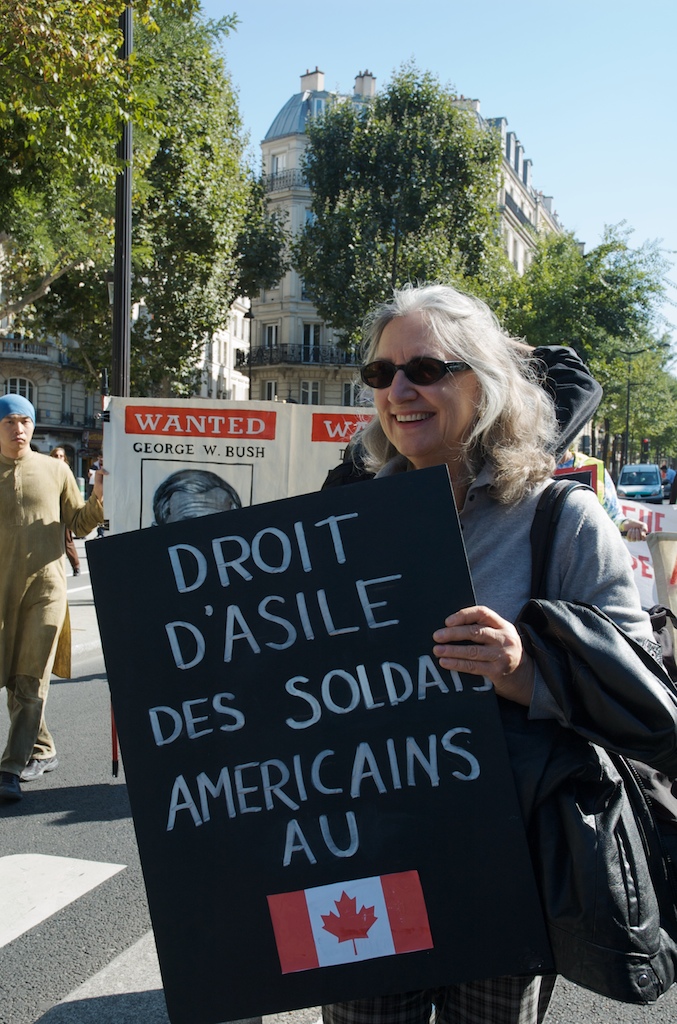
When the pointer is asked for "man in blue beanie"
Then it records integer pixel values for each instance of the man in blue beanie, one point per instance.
(38, 499)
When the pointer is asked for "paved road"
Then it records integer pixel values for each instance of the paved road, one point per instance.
(75, 940)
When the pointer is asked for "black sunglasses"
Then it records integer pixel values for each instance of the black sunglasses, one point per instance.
(422, 370)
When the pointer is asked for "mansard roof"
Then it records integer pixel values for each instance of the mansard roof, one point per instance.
(291, 120)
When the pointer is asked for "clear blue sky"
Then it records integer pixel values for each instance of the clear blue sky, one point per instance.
(588, 86)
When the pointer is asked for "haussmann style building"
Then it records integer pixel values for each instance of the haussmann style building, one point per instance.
(294, 355)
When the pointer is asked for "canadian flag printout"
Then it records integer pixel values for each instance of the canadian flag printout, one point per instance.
(345, 922)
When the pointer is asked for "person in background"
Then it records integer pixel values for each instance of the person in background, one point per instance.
(633, 529)
(71, 550)
(451, 388)
(673, 492)
(668, 477)
(38, 498)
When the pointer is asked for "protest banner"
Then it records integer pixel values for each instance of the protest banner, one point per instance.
(264, 451)
(260, 450)
(658, 519)
(322, 812)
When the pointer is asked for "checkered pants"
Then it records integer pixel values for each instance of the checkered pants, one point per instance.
(510, 1000)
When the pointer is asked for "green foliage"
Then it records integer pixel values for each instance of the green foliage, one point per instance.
(262, 245)
(195, 207)
(186, 225)
(605, 304)
(63, 86)
(404, 188)
(64, 92)
(586, 301)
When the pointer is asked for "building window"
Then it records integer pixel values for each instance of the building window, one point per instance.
(351, 390)
(310, 392)
(311, 343)
(271, 335)
(279, 162)
(269, 390)
(20, 386)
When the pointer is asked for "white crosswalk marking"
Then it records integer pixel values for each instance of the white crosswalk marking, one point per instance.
(34, 886)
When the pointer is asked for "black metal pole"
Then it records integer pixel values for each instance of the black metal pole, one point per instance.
(122, 277)
(249, 317)
(629, 356)
(122, 271)
(626, 445)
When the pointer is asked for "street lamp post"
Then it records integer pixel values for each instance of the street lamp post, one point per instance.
(249, 317)
(122, 271)
(626, 440)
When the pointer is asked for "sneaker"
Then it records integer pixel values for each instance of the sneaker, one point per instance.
(36, 767)
(9, 786)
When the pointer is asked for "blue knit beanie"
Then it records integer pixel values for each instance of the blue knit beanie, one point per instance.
(16, 405)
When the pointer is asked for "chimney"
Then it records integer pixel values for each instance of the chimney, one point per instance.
(313, 81)
(465, 103)
(510, 141)
(365, 84)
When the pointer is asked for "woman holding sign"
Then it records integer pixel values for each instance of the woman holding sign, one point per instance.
(450, 387)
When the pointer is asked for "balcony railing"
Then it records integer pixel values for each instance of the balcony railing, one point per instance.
(313, 355)
(517, 210)
(29, 349)
(286, 179)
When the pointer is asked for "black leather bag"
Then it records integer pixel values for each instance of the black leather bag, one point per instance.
(600, 842)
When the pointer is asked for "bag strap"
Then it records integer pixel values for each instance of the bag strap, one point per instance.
(546, 517)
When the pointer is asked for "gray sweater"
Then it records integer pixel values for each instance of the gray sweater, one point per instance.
(589, 561)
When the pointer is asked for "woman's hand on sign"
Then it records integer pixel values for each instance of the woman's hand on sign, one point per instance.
(478, 641)
(633, 529)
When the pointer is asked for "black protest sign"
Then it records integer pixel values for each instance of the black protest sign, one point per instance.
(322, 812)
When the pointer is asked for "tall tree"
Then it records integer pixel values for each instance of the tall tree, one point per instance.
(63, 92)
(62, 82)
(189, 208)
(196, 218)
(606, 304)
(404, 187)
(587, 300)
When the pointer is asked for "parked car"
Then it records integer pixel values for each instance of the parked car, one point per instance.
(641, 482)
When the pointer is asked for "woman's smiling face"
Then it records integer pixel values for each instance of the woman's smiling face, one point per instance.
(427, 424)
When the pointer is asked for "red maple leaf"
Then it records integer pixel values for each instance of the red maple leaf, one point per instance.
(349, 924)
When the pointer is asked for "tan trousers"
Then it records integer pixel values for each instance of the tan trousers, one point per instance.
(28, 733)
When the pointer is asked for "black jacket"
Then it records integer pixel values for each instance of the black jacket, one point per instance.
(604, 920)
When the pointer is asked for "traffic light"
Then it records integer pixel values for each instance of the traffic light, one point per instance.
(645, 449)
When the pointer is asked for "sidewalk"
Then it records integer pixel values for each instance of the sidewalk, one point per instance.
(84, 625)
